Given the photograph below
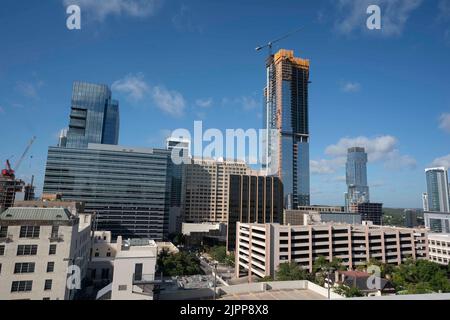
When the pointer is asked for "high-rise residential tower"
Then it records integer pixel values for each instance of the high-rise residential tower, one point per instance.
(94, 116)
(437, 189)
(286, 121)
(356, 177)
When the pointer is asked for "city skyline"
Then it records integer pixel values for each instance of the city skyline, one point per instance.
(353, 101)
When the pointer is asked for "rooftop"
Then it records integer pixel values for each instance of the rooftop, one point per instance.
(36, 214)
(290, 294)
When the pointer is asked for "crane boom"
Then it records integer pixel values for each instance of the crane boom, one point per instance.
(271, 43)
(19, 162)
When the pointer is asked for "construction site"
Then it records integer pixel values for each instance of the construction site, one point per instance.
(13, 189)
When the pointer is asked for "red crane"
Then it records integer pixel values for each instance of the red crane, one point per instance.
(9, 172)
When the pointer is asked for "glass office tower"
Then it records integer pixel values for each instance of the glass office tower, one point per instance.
(127, 188)
(356, 177)
(287, 123)
(437, 189)
(94, 116)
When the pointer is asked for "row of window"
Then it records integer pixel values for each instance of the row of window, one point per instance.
(27, 286)
(29, 267)
(28, 250)
(32, 232)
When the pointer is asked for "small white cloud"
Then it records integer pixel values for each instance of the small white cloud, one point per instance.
(442, 162)
(204, 103)
(169, 101)
(134, 86)
(100, 9)
(350, 87)
(183, 21)
(444, 122)
(326, 166)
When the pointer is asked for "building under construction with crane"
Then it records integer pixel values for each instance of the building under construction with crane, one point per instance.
(10, 186)
(286, 122)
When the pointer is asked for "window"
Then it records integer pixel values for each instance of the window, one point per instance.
(2, 250)
(0, 268)
(21, 286)
(97, 254)
(48, 285)
(55, 230)
(3, 231)
(105, 273)
(122, 287)
(46, 298)
(24, 267)
(108, 254)
(52, 249)
(50, 266)
(27, 250)
(29, 231)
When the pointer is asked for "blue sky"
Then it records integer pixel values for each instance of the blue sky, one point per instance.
(173, 62)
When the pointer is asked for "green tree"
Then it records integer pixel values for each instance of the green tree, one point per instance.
(348, 292)
(178, 264)
(219, 253)
(291, 271)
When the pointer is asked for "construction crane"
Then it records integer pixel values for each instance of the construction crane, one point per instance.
(271, 43)
(8, 171)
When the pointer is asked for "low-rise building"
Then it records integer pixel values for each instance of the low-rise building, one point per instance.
(261, 248)
(437, 221)
(37, 246)
(303, 218)
(439, 248)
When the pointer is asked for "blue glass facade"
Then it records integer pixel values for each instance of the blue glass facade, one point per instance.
(437, 189)
(127, 189)
(356, 176)
(94, 116)
(286, 112)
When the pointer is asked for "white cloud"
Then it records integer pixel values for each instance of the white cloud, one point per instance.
(183, 20)
(100, 9)
(444, 122)
(350, 87)
(247, 103)
(442, 162)
(379, 149)
(444, 10)
(134, 86)
(169, 101)
(394, 15)
(204, 103)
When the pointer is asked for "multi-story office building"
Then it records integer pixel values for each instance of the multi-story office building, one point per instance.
(127, 188)
(439, 248)
(438, 222)
(253, 199)
(411, 218)
(303, 218)
(437, 189)
(180, 154)
(287, 124)
(206, 187)
(369, 211)
(94, 116)
(356, 177)
(261, 248)
(9, 187)
(37, 245)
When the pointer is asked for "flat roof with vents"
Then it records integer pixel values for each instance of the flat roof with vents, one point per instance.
(36, 214)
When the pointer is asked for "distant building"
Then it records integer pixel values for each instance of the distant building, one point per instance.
(304, 218)
(180, 149)
(253, 199)
(437, 189)
(9, 187)
(439, 247)
(438, 222)
(127, 188)
(37, 245)
(321, 208)
(369, 211)
(205, 189)
(286, 114)
(410, 218)
(356, 177)
(362, 281)
(94, 116)
(204, 234)
(261, 248)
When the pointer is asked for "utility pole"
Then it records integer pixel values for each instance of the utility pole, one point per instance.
(215, 280)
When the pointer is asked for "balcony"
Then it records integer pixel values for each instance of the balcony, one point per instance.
(145, 279)
(56, 238)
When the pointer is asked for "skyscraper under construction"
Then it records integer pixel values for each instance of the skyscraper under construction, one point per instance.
(287, 124)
